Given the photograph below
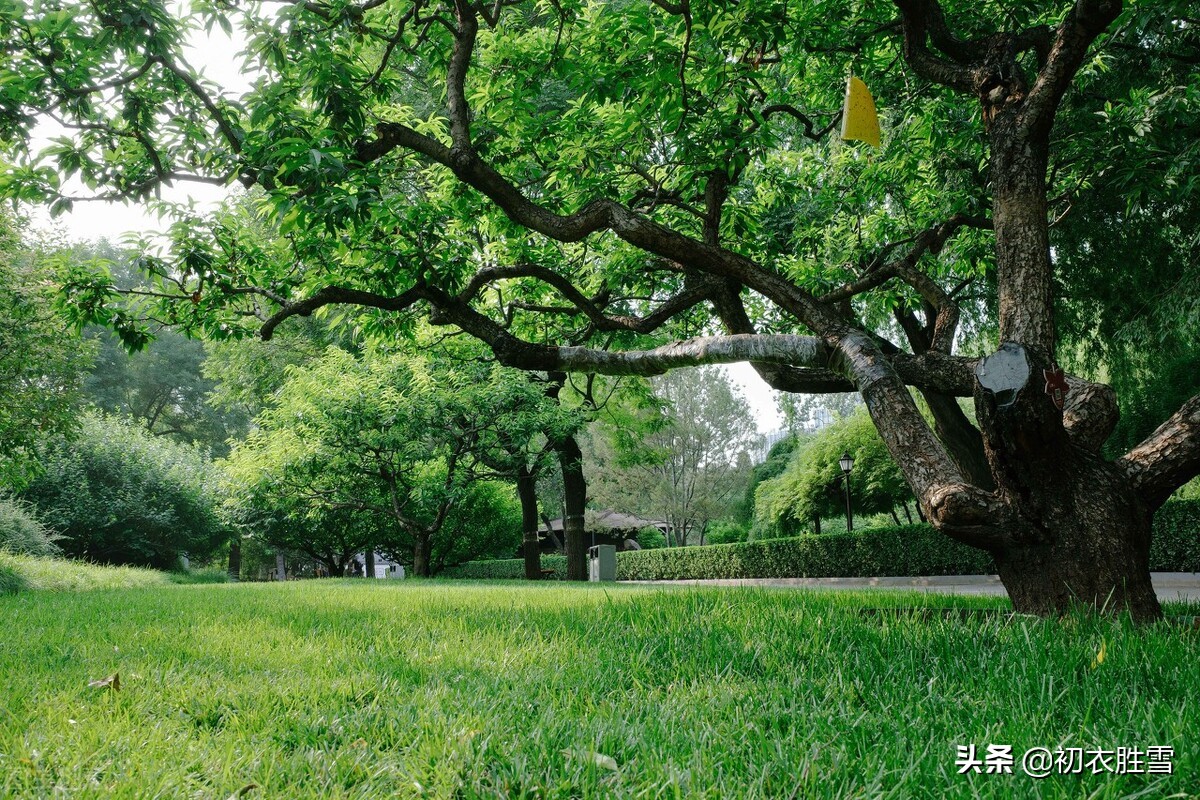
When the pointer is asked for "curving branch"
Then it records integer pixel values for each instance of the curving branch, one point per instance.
(1084, 22)
(931, 240)
(924, 22)
(1167, 458)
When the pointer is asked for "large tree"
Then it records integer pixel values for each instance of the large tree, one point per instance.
(562, 181)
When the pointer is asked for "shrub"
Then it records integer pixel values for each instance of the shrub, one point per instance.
(651, 538)
(504, 569)
(120, 495)
(726, 532)
(1176, 543)
(22, 532)
(904, 550)
(11, 581)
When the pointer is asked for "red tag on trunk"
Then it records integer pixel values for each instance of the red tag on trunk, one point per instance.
(1056, 385)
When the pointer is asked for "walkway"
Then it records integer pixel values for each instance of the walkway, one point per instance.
(1168, 585)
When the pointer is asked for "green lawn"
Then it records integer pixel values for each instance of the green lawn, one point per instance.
(356, 689)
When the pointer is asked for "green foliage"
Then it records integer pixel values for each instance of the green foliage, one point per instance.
(1176, 543)
(681, 455)
(651, 538)
(812, 486)
(22, 532)
(120, 495)
(726, 532)
(906, 550)
(391, 451)
(505, 569)
(20, 573)
(41, 365)
(163, 387)
(778, 458)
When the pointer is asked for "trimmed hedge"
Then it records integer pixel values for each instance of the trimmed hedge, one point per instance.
(505, 569)
(1176, 543)
(907, 550)
(904, 550)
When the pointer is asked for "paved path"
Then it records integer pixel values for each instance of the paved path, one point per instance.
(1168, 585)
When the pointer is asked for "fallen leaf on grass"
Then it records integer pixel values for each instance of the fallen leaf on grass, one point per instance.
(112, 681)
(1099, 658)
(599, 759)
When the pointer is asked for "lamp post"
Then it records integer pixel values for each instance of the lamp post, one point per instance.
(846, 462)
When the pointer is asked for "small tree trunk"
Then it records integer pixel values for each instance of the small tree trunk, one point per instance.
(421, 556)
(235, 558)
(527, 493)
(280, 567)
(369, 558)
(817, 525)
(570, 458)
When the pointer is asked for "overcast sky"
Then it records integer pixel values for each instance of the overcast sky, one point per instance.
(215, 56)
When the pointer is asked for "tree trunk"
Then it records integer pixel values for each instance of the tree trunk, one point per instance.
(817, 525)
(235, 558)
(1079, 533)
(421, 556)
(369, 562)
(1090, 545)
(570, 458)
(527, 493)
(280, 567)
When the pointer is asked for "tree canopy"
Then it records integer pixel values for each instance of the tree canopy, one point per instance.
(578, 183)
(388, 451)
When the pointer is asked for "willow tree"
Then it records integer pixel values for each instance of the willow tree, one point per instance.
(575, 183)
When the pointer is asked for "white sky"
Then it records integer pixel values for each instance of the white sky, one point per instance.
(215, 56)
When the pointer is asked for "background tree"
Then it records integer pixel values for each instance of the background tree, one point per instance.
(665, 171)
(812, 486)
(163, 387)
(684, 458)
(120, 495)
(40, 368)
(387, 436)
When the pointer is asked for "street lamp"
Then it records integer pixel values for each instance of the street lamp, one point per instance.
(846, 462)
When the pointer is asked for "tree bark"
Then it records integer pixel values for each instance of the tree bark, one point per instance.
(1079, 531)
(421, 556)
(527, 493)
(570, 459)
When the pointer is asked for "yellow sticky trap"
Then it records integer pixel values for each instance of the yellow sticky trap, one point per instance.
(859, 120)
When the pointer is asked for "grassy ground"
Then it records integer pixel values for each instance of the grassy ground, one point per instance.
(364, 689)
(20, 573)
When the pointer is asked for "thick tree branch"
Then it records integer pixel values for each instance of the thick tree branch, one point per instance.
(1087, 20)
(1090, 414)
(1168, 458)
(924, 20)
